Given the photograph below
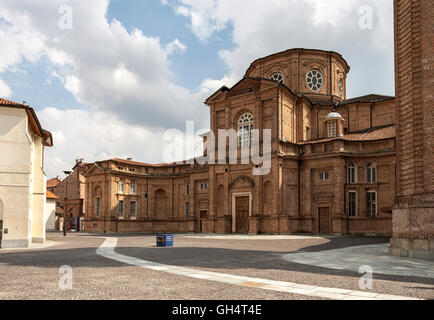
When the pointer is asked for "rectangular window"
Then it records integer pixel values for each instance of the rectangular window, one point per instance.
(323, 176)
(98, 206)
(133, 187)
(352, 173)
(245, 135)
(121, 187)
(133, 208)
(371, 204)
(352, 204)
(187, 189)
(121, 207)
(331, 129)
(187, 209)
(203, 186)
(371, 174)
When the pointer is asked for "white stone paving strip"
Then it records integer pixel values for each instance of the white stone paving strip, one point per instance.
(375, 256)
(107, 250)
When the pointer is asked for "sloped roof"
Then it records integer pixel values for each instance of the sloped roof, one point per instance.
(51, 183)
(51, 195)
(33, 120)
(370, 98)
(371, 134)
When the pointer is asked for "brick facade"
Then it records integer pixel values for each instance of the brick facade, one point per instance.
(413, 214)
(307, 189)
(73, 201)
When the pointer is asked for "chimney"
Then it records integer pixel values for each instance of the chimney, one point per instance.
(129, 159)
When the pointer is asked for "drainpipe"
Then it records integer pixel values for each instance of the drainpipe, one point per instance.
(299, 187)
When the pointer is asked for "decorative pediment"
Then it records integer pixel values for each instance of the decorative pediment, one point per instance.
(242, 178)
(94, 169)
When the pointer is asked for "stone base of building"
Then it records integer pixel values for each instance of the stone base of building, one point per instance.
(412, 248)
(266, 224)
(413, 227)
(14, 243)
(38, 240)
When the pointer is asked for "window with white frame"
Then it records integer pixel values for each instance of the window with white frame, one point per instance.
(331, 129)
(277, 77)
(324, 176)
(133, 187)
(133, 208)
(371, 172)
(371, 203)
(352, 173)
(203, 186)
(314, 80)
(121, 186)
(245, 127)
(352, 204)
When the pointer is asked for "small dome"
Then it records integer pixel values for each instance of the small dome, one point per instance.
(334, 115)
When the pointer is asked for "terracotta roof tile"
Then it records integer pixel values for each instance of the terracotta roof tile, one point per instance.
(51, 195)
(51, 183)
(6, 102)
(371, 134)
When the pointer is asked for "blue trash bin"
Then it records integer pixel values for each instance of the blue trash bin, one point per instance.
(164, 240)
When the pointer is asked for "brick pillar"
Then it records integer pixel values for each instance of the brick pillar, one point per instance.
(413, 213)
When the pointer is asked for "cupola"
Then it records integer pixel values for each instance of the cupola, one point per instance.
(334, 125)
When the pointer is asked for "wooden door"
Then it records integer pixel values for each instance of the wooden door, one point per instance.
(242, 214)
(324, 221)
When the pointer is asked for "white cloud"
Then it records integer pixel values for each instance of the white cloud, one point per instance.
(262, 27)
(175, 46)
(123, 76)
(103, 65)
(5, 91)
(95, 135)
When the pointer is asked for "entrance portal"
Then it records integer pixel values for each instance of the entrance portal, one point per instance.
(242, 214)
(324, 221)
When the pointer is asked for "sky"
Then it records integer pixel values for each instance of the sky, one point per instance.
(108, 78)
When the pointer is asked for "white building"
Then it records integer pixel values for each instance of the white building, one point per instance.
(50, 211)
(22, 177)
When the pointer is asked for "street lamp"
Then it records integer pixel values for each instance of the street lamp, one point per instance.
(67, 172)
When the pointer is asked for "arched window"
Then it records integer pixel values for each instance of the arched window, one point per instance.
(277, 77)
(245, 127)
(133, 187)
(331, 129)
(341, 88)
(187, 188)
(352, 173)
(371, 172)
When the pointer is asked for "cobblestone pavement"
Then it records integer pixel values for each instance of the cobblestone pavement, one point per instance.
(374, 256)
(34, 273)
(107, 250)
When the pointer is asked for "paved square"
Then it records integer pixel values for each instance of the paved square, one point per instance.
(210, 267)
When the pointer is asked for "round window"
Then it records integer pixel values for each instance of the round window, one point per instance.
(277, 77)
(314, 80)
